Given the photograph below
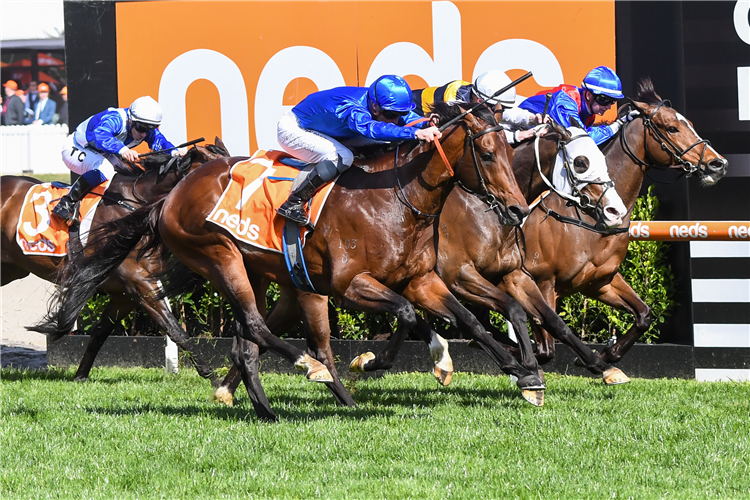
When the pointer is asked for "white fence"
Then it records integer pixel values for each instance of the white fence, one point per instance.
(32, 149)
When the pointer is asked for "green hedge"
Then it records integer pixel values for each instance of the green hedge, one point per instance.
(205, 313)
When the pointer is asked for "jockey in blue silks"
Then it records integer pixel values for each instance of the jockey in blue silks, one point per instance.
(92, 150)
(600, 89)
(315, 129)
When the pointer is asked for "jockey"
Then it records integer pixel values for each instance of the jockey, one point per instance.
(483, 88)
(600, 89)
(92, 150)
(314, 130)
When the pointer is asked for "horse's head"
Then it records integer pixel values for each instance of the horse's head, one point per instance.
(672, 140)
(586, 169)
(484, 165)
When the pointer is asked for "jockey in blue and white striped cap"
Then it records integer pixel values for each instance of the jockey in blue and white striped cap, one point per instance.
(601, 88)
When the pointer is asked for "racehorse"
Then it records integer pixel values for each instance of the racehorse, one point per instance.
(564, 259)
(128, 285)
(388, 211)
(474, 252)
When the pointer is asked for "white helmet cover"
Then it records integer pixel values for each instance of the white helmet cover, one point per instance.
(146, 110)
(490, 82)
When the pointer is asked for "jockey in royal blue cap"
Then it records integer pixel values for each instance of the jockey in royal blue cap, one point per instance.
(600, 89)
(315, 128)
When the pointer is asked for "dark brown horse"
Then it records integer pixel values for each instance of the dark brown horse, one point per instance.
(564, 259)
(387, 216)
(128, 286)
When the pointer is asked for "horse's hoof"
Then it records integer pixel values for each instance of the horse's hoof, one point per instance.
(443, 370)
(316, 371)
(358, 363)
(531, 383)
(615, 376)
(536, 398)
(222, 395)
(443, 377)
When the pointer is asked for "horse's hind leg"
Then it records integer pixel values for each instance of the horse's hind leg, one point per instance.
(523, 288)
(245, 355)
(430, 293)
(117, 308)
(620, 295)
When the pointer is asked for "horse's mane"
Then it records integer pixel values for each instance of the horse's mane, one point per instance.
(646, 92)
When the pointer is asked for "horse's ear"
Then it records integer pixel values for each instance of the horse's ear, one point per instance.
(560, 130)
(220, 144)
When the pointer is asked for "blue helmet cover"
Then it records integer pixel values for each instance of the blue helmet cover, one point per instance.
(392, 93)
(603, 80)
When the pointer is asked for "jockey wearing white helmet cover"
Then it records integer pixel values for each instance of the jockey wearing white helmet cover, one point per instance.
(315, 129)
(601, 88)
(92, 150)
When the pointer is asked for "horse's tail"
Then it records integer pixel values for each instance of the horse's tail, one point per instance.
(83, 274)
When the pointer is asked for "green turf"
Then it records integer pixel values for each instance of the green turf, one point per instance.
(139, 433)
(52, 177)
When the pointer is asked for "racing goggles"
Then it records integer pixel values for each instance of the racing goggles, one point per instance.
(144, 128)
(393, 115)
(604, 100)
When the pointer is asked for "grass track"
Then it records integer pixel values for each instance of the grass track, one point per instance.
(139, 433)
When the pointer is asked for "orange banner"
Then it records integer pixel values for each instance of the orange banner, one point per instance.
(690, 231)
(233, 68)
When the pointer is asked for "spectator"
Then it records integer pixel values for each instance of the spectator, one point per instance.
(13, 108)
(45, 108)
(64, 106)
(32, 97)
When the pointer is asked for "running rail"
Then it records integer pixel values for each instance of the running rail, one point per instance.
(689, 230)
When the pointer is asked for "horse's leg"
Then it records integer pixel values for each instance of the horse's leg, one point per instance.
(315, 315)
(431, 294)
(520, 286)
(117, 308)
(482, 314)
(545, 343)
(246, 356)
(11, 272)
(224, 393)
(472, 287)
(620, 295)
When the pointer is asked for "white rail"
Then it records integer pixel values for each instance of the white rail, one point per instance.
(32, 149)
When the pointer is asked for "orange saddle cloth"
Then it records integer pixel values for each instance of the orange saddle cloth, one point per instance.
(257, 187)
(40, 233)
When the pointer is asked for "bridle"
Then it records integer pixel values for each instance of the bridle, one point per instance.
(666, 145)
(469, 145)
(578, 199)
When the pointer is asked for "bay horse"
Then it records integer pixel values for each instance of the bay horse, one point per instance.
(388, 211)
(563, 259)
(128, 285)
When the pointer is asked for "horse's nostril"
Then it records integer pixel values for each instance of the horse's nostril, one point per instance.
(612, 212)
(718, 164)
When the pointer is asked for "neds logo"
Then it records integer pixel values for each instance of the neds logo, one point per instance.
(639, 230)
(697, 230)
(739, 232)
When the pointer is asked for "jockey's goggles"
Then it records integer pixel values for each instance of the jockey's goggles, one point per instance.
(392, 115)
(144, 128)
(604, 100)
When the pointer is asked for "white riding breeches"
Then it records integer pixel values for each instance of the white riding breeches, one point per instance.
(308, 145)
(81, 160)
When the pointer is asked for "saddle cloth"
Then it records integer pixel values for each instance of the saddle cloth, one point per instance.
(257, 187)
(39, 233)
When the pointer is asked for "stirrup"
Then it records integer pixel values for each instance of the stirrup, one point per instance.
(296, 213)
(67, 211)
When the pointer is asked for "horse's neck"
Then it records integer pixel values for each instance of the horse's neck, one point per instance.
(526, 171)
(626, 174)
(149, 187)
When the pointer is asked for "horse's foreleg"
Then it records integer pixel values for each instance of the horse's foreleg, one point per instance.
(116, 309)
(620, 295)
(545, 343)
(431, 294)
(472, 287)
(314, 310)
(524, 289)
(224, 393)
(366, 294)
(245, 354)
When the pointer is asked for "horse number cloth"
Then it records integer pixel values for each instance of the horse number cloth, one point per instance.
(257, 187)
(39, 233)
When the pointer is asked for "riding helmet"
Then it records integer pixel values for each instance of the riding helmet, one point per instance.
(603, 80)
(391, 93)
(490, 82)
(146, 110)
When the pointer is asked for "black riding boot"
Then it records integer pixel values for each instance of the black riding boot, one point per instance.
(66, 207)
(294, 207)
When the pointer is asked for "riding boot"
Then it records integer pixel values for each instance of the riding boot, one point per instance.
(294, 207)
(66, 207)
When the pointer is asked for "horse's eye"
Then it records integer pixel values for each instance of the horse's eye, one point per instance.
(672, 130)
(487, 157)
